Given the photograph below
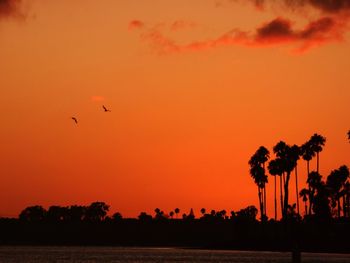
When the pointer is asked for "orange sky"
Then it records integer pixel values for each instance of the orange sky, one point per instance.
(195, 87)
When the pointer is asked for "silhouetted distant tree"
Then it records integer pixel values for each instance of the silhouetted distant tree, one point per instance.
(76, 213)
(96, 212)
(321, 206)
(191, 215)
(346, 199)
(233, 215)
(33, 214)
(223, 213)
(171, 214)
(117, 216)
(317, 142)
(292, 214)
(247, 214)
(203, 211)
(257, 172)
(57, 213)
(177, 211)
(159, 214)
(314, 181)
(304, 193)
(144, 217)
(349, 135)
(336, 183)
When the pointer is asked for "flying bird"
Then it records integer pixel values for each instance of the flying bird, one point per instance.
(105, 109)
(75, 120)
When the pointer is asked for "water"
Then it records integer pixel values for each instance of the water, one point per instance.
(150, 255)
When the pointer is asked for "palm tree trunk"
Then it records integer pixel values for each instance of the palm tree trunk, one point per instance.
(281, 191)
(344, 206)
(286, 195)
(305, 203)
(308, 173)
(348, 204)
(318, 161)
(265, 200)
(275, 198)
(338, 207)
(265, 203)
(296, 187)
(260, 203)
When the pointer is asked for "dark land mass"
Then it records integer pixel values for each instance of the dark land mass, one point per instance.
(195, 233)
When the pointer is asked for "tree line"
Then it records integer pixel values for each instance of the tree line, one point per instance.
(322, 198)
(98, 212)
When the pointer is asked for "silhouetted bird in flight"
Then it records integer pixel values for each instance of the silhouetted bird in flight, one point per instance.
(75, 120)
(105, 109)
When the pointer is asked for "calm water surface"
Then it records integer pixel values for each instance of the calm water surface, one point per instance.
(150, 255)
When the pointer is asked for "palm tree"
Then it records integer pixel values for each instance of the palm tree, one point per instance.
(296, 152)
(304, 193)
(288, 157)
(307, 153)
(257, 172)
(317, 142)
(203, 211)
(314, 181)
(171, 214)
(346, 200)
(349, 135)
(275, 169)
(177, 211)
(263, 156)
(336, 182)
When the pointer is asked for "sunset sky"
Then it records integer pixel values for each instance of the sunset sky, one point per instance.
(194, 88)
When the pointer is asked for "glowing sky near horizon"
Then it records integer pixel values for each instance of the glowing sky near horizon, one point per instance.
(194, 88)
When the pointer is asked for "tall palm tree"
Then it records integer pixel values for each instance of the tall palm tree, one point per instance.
(275, 169)
(288, 159)
(307, 154)
(296, 152)
(257, 172)
(304, 193)
(317, 142)
(263, 156)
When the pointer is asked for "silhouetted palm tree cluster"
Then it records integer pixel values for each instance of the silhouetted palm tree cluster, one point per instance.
(247, 214)
(257, 171)
(321, 198)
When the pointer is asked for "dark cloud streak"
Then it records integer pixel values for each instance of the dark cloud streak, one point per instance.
(10, 8)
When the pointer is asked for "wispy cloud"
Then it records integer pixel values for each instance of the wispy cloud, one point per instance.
(330, 26)
(279, 31)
